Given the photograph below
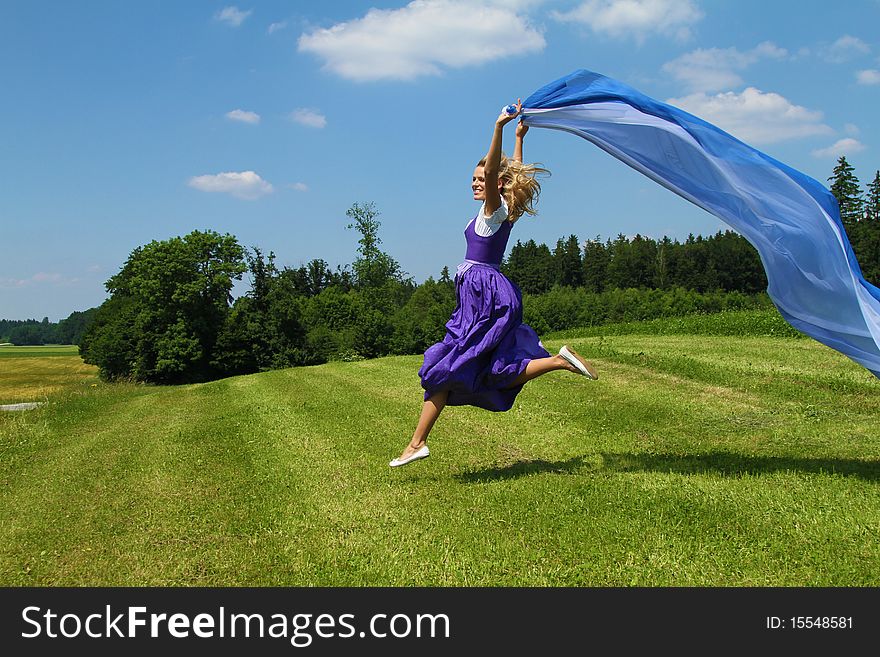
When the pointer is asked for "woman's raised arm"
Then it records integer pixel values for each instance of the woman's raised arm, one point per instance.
(521, 130)
(493, 160)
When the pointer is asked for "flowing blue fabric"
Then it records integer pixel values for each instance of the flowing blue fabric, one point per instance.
(791, 219)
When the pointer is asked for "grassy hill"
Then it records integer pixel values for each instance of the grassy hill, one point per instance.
(693, 460)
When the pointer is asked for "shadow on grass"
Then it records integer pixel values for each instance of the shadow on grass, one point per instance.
(525, 468)
(728, 464)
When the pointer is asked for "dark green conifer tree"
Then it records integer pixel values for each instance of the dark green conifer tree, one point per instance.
(848, 192)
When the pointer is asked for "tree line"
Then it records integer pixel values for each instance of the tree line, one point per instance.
(33, 332)
(724, 261)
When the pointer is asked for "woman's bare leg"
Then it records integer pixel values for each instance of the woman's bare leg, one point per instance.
(430, 412)
(539, 366)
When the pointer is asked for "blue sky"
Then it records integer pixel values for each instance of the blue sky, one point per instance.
(127, 122)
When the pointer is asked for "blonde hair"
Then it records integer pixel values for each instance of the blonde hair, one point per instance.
(519, 186)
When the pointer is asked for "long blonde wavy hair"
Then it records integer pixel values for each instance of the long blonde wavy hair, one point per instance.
(519, 186)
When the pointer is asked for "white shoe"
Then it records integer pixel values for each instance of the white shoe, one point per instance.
(420, 453)
(575, 359)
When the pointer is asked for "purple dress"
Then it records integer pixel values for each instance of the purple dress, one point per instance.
(486, 346)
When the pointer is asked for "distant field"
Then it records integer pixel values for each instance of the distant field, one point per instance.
(694, 460)
(33, 373)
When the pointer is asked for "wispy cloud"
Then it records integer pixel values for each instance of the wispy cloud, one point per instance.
(41, 278)
(869, 76)
(299, 187)
(846, 146)
(232, 16)
(243, 116)
(717, 69)
(755, 116)
(308, 117)
(423, 38)
(635, 18)
(245, 185)
(52, 278)
(274, 27)
(844, 49)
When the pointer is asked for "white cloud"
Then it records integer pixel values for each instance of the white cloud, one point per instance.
(244, 185)
(299, 186)
(714, 69)
(308, 117)
(845, 48)
(423, 38)
(243, 116)
(868, 77)
(274, 27)
(769, 49)
(846, 146)
(635, 18)
(232, 16)
(754, 116)
(851, 129)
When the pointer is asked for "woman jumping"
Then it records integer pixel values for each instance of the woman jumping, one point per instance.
(488, 354)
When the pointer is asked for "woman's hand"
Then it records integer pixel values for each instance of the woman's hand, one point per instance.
(505, 118)
(521, 129)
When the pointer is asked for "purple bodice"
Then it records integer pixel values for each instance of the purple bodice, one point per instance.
(488, 250)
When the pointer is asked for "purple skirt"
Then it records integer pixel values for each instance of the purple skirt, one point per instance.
(486, 346)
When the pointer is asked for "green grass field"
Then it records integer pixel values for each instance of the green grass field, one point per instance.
(694, 460)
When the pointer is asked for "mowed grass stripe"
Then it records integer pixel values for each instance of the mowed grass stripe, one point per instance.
(359, 526)
(311, 463)
(789, 371)
(649, 476)
(798, 367)
(74, 492)
(156, 497)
